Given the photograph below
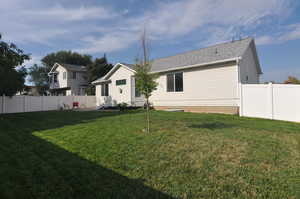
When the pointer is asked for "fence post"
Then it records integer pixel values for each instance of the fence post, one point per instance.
(3, 96)
(241, 99)
(42, 103)
(271, 100)
(86, 101)
(24, 104)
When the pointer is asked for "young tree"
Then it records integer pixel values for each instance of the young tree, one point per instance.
(145, 80)
(12, 74)
(292, 80)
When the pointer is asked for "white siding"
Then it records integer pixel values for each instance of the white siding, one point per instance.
(61, 82)
(81, 79)
(248, 68)
(115, 96)
(209, 86)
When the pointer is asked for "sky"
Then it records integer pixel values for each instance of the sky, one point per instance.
(114, 27)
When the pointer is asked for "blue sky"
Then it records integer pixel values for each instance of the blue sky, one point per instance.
(114, 27)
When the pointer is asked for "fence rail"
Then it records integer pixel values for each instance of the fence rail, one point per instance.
(271, 101)
(18, 104)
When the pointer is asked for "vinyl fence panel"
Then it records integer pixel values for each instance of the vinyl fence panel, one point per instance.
(271, 101)
(286, 101)
(17, 104)
(33, 103)
(14, 104)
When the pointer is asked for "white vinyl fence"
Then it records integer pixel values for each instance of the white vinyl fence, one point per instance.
(17, 104)
(271, 101)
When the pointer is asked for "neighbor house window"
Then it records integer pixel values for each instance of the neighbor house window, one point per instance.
(64, 75)
(104, 90)
(120, 82)
(74, 75)
(175, 82)
(55, 78)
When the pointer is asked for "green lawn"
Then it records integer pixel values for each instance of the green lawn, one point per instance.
(107, 155)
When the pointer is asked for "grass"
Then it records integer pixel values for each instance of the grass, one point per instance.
(107, 155)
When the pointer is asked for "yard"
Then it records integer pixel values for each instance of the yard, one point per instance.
(107, 155)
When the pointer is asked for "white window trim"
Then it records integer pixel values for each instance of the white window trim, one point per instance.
(173, 73)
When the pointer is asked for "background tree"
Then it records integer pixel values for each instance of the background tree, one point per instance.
(97, 69)
(39, 76)
(145, 80)
(292, 80)
(66, 57)
(12, 74)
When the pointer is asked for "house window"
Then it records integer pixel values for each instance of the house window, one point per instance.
(64, 75)
(74, 75)
(120, 82)
(136, 92)
(55, 78)
(175, 82)
(104, 90)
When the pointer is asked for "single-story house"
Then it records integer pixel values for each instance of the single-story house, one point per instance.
(204, 80)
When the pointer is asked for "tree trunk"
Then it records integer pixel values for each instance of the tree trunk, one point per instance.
(148, 117)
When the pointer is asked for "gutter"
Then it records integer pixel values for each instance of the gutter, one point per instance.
(235, 59)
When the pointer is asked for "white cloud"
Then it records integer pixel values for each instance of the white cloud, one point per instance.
(215, 21)
(97, 28)
(263, 40)
(33, 60)
(290, 32)
(44, 22)
(71, 14)
(108, 43)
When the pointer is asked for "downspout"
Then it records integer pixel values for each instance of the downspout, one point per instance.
(239, 86)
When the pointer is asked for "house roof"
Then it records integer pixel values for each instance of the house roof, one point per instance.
(209, 54)
(73, 67)
(219, 53)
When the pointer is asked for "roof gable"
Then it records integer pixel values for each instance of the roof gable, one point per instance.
(254, 51)
(113, 70)
(69, 67)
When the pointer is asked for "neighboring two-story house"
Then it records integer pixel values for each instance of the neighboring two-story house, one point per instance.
(68, 79)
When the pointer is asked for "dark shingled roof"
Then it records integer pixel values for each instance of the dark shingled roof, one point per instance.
(73, 67)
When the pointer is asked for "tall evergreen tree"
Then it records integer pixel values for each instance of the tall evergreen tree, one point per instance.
(97, 69)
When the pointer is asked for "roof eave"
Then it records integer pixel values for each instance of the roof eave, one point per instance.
(198, 65)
